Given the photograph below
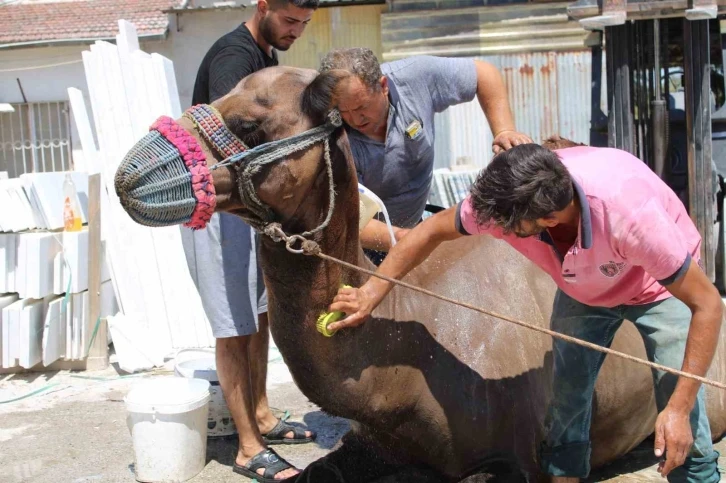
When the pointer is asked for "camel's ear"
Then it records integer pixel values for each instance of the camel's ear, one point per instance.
(343, 165)
(319, 96)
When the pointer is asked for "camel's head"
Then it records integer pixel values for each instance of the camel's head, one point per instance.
(259, 152)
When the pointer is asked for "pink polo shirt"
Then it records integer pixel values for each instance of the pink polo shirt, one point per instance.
(635, 235)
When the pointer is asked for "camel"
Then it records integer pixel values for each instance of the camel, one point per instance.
(428, 385)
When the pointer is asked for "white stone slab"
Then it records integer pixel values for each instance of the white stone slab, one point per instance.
(17, 212)
(5, 301)
(54, 331)
(128, 90)
(47, 188)
(35, 264)
(11, 332)
(30, 341)
(8, 262)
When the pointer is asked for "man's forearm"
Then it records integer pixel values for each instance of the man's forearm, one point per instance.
(375, 236)
(412, 250)
(492, 95)
(701, 344)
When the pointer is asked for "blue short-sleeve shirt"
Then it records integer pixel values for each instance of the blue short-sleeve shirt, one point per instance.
(400, 170)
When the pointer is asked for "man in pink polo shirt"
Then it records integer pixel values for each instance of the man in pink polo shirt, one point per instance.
(619, 245)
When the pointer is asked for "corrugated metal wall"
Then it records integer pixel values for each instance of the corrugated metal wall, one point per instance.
(482, 30)
(336, 27)
(549, 93)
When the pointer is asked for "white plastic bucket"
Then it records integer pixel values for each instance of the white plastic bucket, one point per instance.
(200, 364)
(168, 423)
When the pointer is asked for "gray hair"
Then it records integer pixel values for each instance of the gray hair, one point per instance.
(359, 61)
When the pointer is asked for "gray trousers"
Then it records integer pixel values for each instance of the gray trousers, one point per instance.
(222, 261)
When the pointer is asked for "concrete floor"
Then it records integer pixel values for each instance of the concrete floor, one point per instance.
(76, 432)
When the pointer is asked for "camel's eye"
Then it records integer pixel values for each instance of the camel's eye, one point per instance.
(248, 131)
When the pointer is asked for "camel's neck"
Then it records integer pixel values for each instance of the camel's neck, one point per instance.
(301, 287)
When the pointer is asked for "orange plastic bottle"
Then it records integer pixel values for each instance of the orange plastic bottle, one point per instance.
(71, 208)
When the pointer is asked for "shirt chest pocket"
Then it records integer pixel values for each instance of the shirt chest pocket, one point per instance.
(418, 142)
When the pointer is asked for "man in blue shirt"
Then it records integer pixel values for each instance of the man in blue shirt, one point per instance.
(389, 112)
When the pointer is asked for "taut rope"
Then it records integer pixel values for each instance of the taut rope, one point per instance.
(309, 247)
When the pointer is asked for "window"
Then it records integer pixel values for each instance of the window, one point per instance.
(35, 138)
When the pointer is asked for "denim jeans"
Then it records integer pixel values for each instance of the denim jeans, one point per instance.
(664, 328)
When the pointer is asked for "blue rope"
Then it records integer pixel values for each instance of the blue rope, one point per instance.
(32, 393)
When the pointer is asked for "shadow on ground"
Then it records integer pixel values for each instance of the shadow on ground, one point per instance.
(329, 430)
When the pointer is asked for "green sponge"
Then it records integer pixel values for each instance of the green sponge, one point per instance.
(327, 318)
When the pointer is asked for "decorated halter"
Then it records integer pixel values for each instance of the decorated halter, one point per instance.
(164, 179)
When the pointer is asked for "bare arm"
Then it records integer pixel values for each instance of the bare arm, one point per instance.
(492, 95)
(673, 429)
(696, 291)
(413, 249)
(375, 235)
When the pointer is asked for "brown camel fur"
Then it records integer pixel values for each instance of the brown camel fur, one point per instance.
(426, 382)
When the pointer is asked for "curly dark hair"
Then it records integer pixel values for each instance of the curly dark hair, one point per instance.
(524, 183)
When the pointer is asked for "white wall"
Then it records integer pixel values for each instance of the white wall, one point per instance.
(185, 46)
(190, 35)
(48, 84)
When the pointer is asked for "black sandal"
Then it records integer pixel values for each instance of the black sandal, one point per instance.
(267, 459)
(277, 434)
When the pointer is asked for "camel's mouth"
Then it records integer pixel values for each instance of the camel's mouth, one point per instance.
(164, 179)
